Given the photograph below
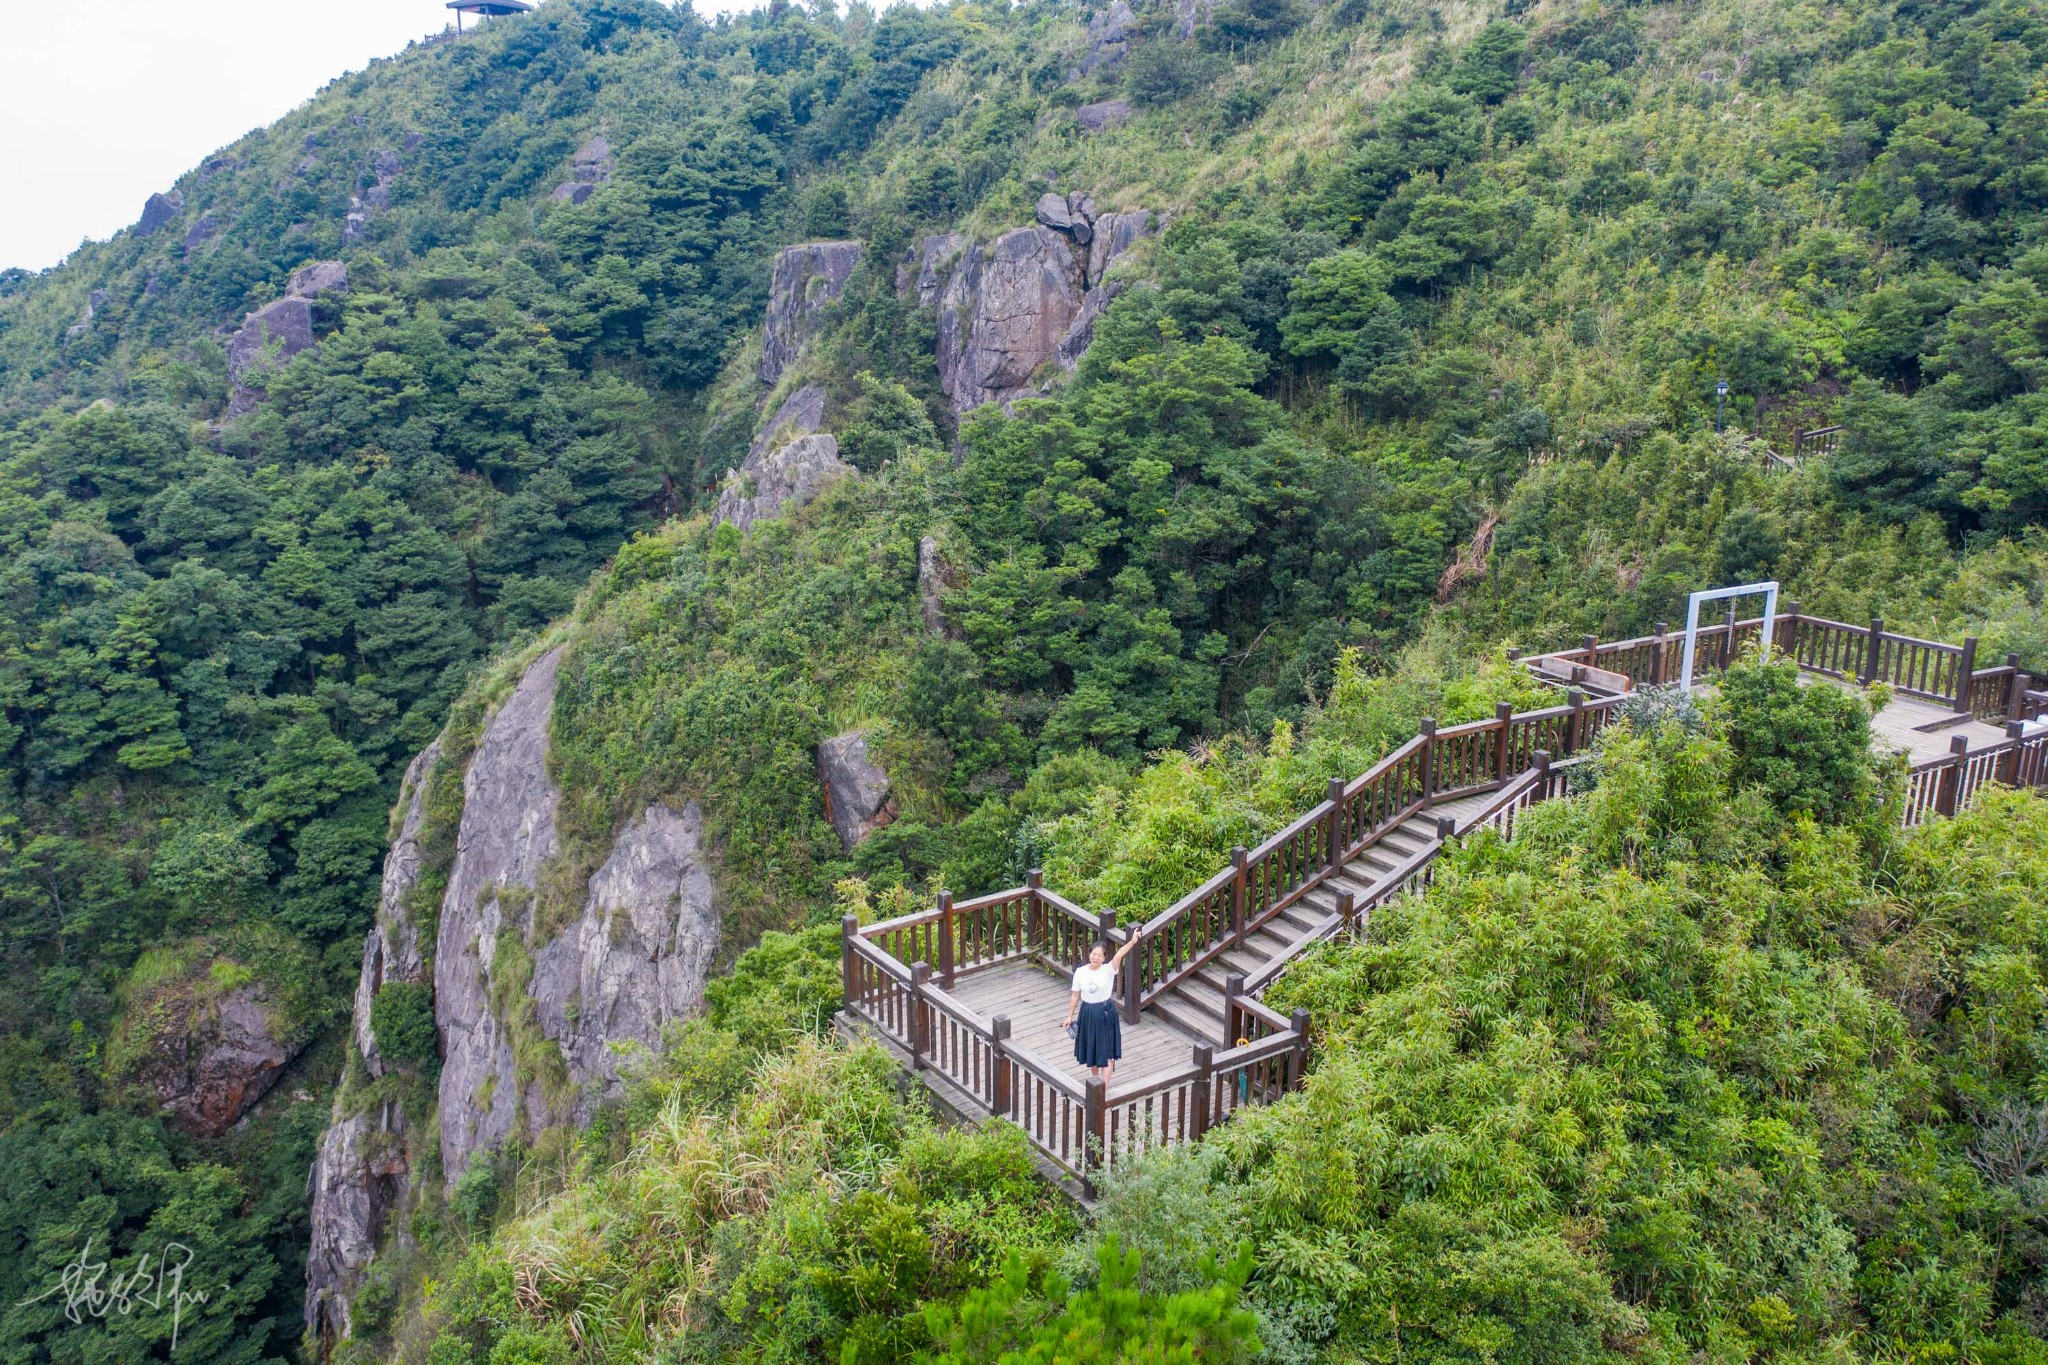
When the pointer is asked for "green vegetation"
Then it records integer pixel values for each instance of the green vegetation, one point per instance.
(1710, 1065)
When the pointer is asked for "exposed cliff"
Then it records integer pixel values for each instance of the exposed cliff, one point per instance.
(804, 281)
(1029, 297)
(533, 1018)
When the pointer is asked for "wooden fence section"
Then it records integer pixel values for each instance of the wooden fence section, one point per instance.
(899, 973)
(1925, 669)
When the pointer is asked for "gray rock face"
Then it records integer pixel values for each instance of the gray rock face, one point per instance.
(1081, 333)
(934, 577)
(507, 832)
(1110, 34)
(157, 210)
(780, 480)
(1003, 313)
(204, 230)
(279, 330)
(1189, 15)
(1052, 210)
(927, 266)
(360, 1174)
(1115, 233)
(374, 199)
(272, 334)
(590, 167)
(319, 277)
(637, 959)
(802, 413)
(1103, 115)
(391, 951)
(211, 1061)
(806, 279)
(856, 791)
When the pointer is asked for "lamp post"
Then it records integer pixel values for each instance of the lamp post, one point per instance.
(1720, 397)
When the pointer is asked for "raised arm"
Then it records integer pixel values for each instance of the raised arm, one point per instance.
(1129, 944)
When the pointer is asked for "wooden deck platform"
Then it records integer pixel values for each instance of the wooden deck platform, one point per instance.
(1036, 1002)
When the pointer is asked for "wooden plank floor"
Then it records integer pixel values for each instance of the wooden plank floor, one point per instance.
(1036, 1002)
(1895, 727)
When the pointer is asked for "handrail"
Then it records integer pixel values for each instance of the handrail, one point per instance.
(1082, 1127)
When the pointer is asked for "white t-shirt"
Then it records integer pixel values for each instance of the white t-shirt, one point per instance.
(1096, 984)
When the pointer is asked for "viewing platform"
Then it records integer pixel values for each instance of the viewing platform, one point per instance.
(973, 995)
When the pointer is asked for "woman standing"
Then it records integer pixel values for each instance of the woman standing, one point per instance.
(1098, 1034)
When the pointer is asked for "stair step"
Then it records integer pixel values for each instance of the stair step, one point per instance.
(1194, 1023)
(1203, 1004)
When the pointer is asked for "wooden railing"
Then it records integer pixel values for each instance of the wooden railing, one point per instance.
(899, 973)
(1819, 441)
(1926, 669)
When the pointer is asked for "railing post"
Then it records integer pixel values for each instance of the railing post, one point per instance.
(1333, 842)
(1205, 1082)
(1542, 765)
(946, 940)
(1428, 758)
(1035, 929)
(1577, 701)
(2009, 766)
(1788, 627)
(2015, 689)
(1093, 1097)
(999, 1081)
(1951, 776)
(1663, 647)
(849, 983)
(1346, 908)
(1592, 649)
(1298, 1064)
(1965, 666)
(1240, 889)
(1105, 926)
(1132, 982)
(1872, 650)
(1233, 987)
(920, 977)
(1446, 829)
(1504, 717)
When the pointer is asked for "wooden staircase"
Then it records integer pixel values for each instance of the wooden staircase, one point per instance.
(1198, 1004)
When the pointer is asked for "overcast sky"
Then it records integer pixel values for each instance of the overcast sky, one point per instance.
(104, 102)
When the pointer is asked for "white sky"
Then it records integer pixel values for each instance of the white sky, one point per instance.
(104, 102)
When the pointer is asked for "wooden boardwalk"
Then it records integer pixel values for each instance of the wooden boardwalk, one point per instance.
(1035, 1001)
(972, 996)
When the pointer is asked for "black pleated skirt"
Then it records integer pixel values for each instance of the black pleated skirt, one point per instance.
(1098, 1034)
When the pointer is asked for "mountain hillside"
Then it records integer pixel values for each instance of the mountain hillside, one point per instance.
(498, 558)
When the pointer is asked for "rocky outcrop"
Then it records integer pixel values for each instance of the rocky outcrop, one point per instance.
(202, 231)
(779, 481)
(507, 833)
(209, 1058)
(317, 278)
(1115, 233)
(927, 266)
(1028, 298)
(935, 577)
(158, 210)
(269, 336)
(857, 801)
(1002, 314)
(1189, 15)
(518, 1008)
(361, 1174)
(1103, 115)
(590, 167)
(806, 279)
(802, 413)
(391, 951)
(1110, 35)
(94, 301)
(636, 960)
(373, 198)
(278, 331)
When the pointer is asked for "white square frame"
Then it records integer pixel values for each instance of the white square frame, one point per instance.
(1692, 620)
